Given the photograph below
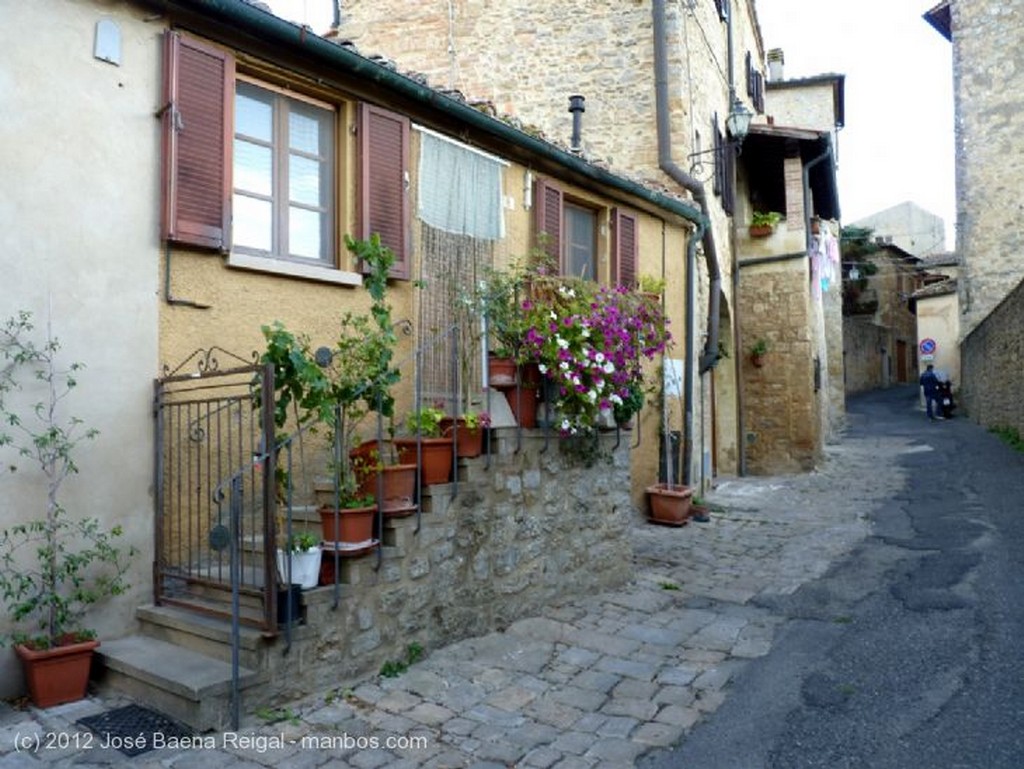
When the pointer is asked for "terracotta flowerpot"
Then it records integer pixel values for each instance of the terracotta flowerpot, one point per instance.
(761, 230)
(437, 457)
(523, 402)
(354, 525)
(501, 372)
(399, 484)
(670, 504)
(469, 441)
(58, 675)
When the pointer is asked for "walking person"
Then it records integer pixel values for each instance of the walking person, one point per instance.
(930, 385)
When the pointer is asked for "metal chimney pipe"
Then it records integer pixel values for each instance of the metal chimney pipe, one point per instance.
(577, 109)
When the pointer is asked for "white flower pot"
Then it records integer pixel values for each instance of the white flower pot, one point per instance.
(305, 566)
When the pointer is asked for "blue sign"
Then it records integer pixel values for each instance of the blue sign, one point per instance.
(928, 346)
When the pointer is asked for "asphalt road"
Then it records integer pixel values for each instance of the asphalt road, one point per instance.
(909, 653)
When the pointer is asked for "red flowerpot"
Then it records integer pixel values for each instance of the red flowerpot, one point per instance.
(399, 487)
(501, 372)
(523, 402)
(469, 441)
(670, 504)
(436, 461)
(350, 525)
(58, 675)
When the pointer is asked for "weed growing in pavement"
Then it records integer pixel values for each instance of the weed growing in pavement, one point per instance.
(275, 716)
(668, 585)
(395, 668)
(1010, 436)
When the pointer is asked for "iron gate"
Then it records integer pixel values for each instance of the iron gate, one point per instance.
(214, 489)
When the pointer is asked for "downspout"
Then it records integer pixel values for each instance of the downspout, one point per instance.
(807, 192)
(703, 232)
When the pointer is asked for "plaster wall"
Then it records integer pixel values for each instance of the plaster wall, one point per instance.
(988, 85)
(809, 105)
(911, 228)
(938, 318)
(78, 230)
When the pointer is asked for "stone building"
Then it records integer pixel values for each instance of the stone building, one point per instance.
(988, 83)
(879, 326)
(217, 158)
(660, 80)
(908, 227)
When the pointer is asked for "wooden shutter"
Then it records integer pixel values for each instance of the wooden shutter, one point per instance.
(547, 206)
(197, 133)
(624, 248)
(383, 184)
(717, 181)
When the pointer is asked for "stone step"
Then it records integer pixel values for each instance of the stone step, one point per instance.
(189, 687)
(207, 635)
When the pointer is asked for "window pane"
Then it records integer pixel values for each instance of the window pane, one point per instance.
(253, 168)
(254, 114)
(252, 223)
(581, 246)
(304, 229)
(304, 181)
(304, 129)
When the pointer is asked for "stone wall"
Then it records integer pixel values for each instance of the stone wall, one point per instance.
(988, 81)
(992, 357)
(534, 528)
(782, 413)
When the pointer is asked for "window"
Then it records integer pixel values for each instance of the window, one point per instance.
(580, 259)
(568, 232)
(283, 200)
(255, 170)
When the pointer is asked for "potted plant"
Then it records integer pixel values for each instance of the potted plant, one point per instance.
(338, 386)
(669, 502)
(392, 485)
(763, 223)
(499, 297)
(52, 568)
(425, 445)
(467, 431)
(757, 352)
(300, 558)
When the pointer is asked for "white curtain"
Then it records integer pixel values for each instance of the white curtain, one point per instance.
(459, 189)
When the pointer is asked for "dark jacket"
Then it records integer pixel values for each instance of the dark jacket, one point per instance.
(930, 383)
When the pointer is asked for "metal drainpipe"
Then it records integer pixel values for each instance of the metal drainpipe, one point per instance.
(807, 192)
(665, 162)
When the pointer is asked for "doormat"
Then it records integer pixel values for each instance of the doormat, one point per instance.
(133, 729)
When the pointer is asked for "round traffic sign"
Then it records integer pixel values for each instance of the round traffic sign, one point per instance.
(928, 346)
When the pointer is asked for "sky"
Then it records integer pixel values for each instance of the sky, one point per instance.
(897, 144)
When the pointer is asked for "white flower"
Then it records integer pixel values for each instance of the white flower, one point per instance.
(599, 357)
(591, 395)
(553, 316)
(576, 381)
(563, 343)
(543, 368)
(609, 367)
(585, 332)
(564, 365)
(565, 424)
(614, 398)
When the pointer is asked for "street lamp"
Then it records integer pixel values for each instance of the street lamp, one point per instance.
(737, 126)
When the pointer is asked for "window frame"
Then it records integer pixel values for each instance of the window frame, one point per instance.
(198, 130)
(280, 197)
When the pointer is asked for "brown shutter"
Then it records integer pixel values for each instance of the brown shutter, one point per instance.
(383, 197)
(624, 248)
(197, 134)
(547, 204)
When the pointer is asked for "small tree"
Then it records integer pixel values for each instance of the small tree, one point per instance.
(76, 561)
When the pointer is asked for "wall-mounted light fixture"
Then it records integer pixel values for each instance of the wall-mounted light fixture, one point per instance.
(737, 126)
